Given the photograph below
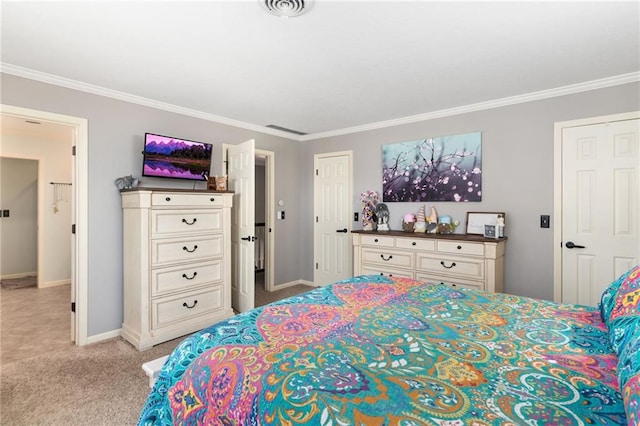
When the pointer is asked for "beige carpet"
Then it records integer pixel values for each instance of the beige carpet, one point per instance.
(99, 384)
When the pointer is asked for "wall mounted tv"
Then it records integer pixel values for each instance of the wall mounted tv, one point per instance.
(175, 158)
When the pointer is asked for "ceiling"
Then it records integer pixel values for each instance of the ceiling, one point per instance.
(342, 65)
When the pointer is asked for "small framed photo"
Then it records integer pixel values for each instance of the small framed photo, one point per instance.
(477, 220)
(490, 231)
(211, 183)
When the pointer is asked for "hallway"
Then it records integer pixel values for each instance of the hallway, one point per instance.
(33, 321)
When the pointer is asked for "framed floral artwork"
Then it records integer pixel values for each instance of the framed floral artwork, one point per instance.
(445, 168)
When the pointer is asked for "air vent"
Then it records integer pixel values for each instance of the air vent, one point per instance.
(287, 8)
(284, 129)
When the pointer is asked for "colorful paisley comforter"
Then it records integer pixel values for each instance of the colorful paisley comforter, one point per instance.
(373, 350)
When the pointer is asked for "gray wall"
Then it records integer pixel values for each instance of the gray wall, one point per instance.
(517, 176)
(19, 231)
(116, 131)
(517, 159)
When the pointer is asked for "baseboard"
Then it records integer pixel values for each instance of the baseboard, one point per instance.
(54, 283)
(103, 336)
(292, 283)
(18, 275)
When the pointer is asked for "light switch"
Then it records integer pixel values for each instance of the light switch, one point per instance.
(544, 221)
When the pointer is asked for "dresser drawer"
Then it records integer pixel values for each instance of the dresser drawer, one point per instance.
(173, 250)
(387, 258)
(168, 310)
(174, 199)
(460, 247)
(476, 285)
(452, 266)
(387, 272)
(181, 221)
(377, 240)
(421, 244)
(179, 278)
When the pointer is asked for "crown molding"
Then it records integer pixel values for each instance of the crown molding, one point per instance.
(139, 100)
(496, 103)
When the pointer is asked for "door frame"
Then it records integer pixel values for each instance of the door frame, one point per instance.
(317, 157)
(557, 186)
(80, 240)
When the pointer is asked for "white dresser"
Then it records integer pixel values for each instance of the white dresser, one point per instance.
(177, 262)
(458, 260)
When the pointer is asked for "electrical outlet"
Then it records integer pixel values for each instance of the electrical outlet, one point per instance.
(544, 221)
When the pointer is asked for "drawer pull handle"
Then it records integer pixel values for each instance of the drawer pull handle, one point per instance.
(168, 199)
(413, 243)
(448, 267)
(190, 278)
(459, 247)
(375, 241)
(382, 274)
(387, 259)
(190, 251)
(189, 223)
(195, 302)
(212, 199)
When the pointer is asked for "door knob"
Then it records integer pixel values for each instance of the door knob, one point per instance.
(570, 245)
(344, 231)
(248, 238)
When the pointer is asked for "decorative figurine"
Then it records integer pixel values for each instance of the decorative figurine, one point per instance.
(500, 226)
(408, 222)
(421, 224)
(433, 217)
(127, 182)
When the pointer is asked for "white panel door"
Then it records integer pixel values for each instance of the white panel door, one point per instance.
(332, 208)
(600, 196)
(241, 171)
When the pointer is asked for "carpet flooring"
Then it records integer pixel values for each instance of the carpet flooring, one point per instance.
(63, 384)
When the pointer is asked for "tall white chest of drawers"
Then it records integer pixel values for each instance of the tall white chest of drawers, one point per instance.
(470, 261)
(177, 263)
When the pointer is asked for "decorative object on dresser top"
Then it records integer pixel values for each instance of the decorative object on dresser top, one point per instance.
(177, 262)
(377, 350)
(458, 260)
(476, 222)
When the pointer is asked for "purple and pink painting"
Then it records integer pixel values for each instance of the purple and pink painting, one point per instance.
(445, 168)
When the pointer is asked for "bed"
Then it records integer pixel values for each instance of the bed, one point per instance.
(373, 350)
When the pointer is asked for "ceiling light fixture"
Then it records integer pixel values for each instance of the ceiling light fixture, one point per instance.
(287, 8)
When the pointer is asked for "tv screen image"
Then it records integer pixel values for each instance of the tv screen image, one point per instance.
(175, 158)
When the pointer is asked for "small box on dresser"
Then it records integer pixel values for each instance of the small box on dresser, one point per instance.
(471, 261)
(177, 262)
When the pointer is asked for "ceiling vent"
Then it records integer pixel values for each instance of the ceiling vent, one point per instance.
(287, 8)
(284, 129)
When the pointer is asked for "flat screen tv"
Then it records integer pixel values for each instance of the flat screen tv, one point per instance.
(168, 157)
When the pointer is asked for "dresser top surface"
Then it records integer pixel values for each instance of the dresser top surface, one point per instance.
(195, 191)
(459, 237)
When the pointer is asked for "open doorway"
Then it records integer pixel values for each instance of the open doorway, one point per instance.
(35, 266)
(40, 135)
(264, 207)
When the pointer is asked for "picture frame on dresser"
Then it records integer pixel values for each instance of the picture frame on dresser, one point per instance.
(476, 221)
